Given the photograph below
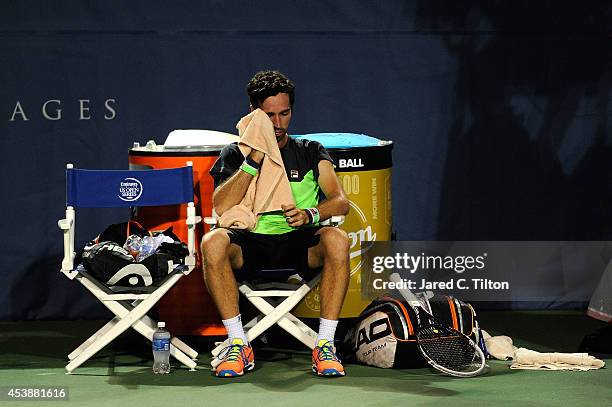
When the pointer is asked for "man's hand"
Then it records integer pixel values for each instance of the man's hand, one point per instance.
(256, 156)
(294, 216)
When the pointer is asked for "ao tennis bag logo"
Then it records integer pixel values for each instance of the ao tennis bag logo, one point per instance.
(378, 329)
(375, 342)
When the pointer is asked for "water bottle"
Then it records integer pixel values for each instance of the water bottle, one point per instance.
(161, 349)
(132, 245)
(147, 248)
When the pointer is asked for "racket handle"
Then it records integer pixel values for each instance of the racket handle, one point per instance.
(405, 292)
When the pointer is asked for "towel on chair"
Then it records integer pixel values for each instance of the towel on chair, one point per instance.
(270, 187)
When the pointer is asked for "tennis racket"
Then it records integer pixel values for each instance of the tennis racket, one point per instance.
(444, 348)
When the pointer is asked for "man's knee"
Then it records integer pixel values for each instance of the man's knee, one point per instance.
(215, 245)
(335, 242)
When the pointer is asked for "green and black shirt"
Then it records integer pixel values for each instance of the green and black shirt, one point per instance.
(301, 159)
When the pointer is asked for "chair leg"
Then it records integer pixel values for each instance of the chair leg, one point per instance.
(109, 325)
(253, 322)
(305, 328)
(129, 314)
(289, 316)
(277, 313)
(271, 318)
(299, 330)
(215, 352)
(146, 326)
(108, 336)
(129, 318)
(183, 347)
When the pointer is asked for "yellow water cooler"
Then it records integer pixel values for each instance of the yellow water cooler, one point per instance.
(363, 166)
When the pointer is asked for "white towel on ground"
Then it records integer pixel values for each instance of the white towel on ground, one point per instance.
(501, 347)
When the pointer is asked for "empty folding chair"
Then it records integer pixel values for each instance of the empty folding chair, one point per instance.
(125, 188)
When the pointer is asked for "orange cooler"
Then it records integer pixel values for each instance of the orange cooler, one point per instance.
(187, 308)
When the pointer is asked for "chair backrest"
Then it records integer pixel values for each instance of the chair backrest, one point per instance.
(125, 188)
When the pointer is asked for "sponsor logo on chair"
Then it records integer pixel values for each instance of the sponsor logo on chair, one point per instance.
(130, 189)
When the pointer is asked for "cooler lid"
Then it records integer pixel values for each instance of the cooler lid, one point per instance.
(343, 140)
(198, 138)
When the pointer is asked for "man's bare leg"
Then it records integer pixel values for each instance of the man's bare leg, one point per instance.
(332, 253)
(218, 257)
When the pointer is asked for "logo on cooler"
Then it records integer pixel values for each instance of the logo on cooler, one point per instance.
(350, 163)
(359, 236)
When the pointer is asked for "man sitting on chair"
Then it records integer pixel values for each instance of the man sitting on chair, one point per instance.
(290, 238)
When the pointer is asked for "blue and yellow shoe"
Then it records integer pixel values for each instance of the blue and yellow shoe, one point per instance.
(238, 358)
(324, 360)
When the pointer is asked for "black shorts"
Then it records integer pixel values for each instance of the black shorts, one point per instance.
(274, 257)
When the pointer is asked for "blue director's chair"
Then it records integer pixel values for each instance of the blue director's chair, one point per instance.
(125, 188)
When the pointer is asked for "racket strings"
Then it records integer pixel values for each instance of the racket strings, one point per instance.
(447, 348)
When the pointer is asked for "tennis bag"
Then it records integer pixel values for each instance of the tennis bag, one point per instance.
(108, 261)
(384, 335)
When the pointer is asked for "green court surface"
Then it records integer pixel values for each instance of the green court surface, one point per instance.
(33, 354)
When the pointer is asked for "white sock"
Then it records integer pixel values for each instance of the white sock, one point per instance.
(327, 330)
(234, 328)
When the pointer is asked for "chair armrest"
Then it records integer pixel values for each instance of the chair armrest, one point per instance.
(335, 220)
(67, 227)
(193, 220)
(210, 220)
(64, 224)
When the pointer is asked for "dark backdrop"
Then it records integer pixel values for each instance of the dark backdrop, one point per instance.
(499, 110)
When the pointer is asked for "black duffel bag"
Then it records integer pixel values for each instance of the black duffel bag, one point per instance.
(108, 261)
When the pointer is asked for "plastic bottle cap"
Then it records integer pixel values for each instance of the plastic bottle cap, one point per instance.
(161, 324)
